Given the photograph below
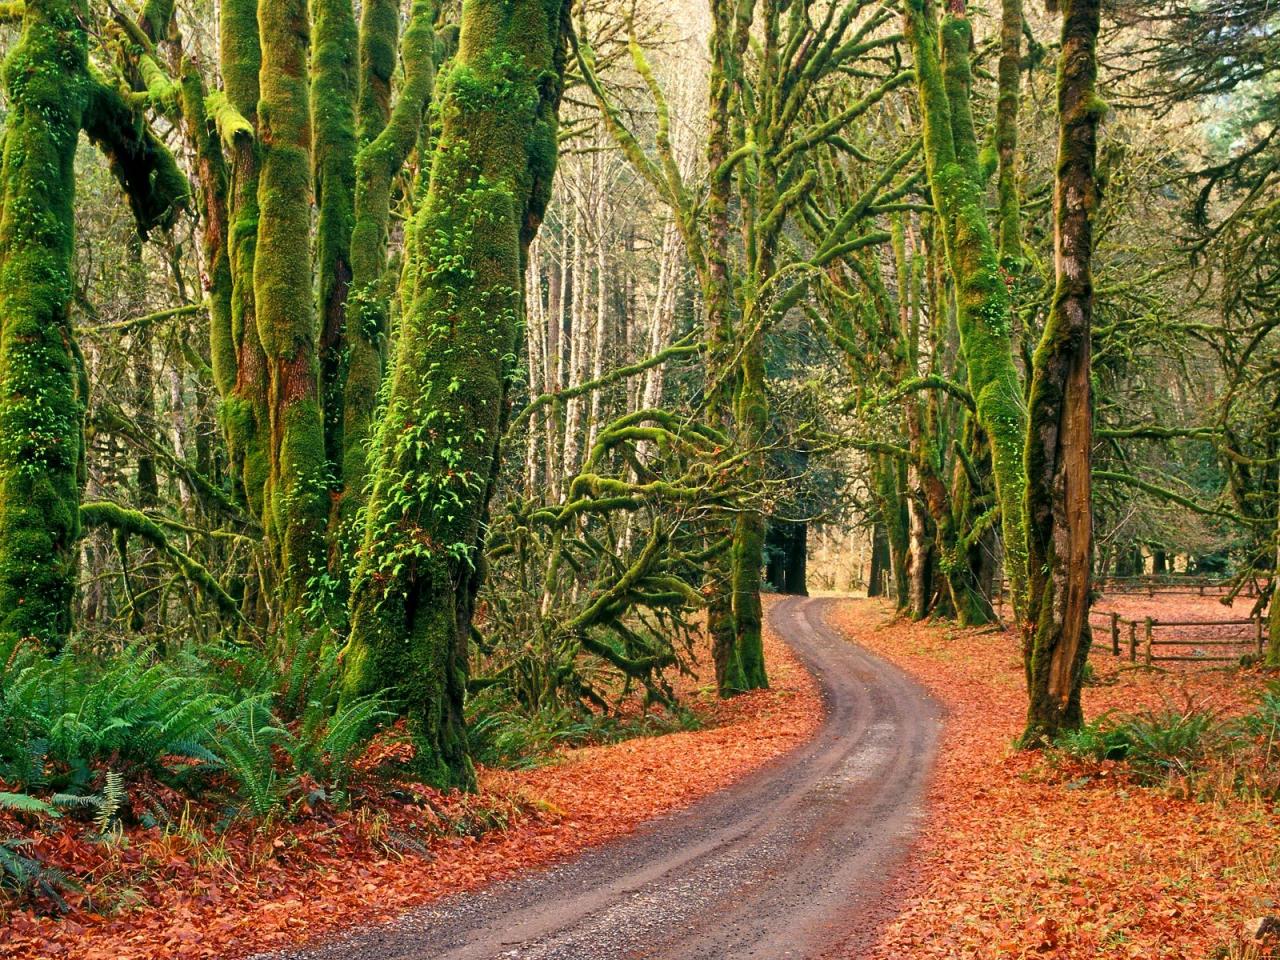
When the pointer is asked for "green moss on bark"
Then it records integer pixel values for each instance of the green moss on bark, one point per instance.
(436, 452)
(333, 95)
(53, 94)
(982, 297)
(244, 409)
(1273, 626)
(46, 78)
(391, 137)
(1059, 439)
(295, 502)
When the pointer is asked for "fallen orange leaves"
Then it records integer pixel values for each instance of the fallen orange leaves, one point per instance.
(309, 878)
(1015, 864)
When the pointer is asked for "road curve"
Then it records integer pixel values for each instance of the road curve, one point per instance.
(793, 862)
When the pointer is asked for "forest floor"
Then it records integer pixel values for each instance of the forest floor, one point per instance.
(182, 892)
(793, 862)
(1020, 856)
(1027, 856)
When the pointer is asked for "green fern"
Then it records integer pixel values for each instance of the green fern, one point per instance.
(26, 876)
(25, 803)
(247, 732)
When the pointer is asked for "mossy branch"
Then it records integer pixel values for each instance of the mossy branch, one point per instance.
(156, 188)
(881, 447)
(135, 523)
(110, 418)
(231, 123)
(840, 121)
(933, 382)
(134, 324)
(687, 346)
(1156, 433)
(1164, 493)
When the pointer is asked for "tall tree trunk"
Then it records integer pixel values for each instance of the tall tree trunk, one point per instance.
(1273, 623)
(982, 297)
(386, 137)
(436, 454)
(976, 546)
(919, 549)
(796, 571)
(889, 479)
(579, 341)
(1060, 431)
(880, 563)
(295, 500)
(751, 416)
(146, 580)
(244, 407)
(731, 26)
(52, 96)
(1009, 80)
(333, 157)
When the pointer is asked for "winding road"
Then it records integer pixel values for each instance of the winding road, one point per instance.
(794, 862)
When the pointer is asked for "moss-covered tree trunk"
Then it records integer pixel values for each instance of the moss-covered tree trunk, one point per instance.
(386, 135)
(436, 452)
(1060, 420)
(879, 567)
(1273, 632)
(982, 297)
(889, 481)
(52, 95)
(976, 546)
(731, 26)
(244, 404)
(746, 667)
(295, 502)
(1009, 81)
(333, 126)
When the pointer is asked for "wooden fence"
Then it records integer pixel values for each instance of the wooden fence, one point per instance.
(1176, 583)
(1141, 634)
(1151, 585)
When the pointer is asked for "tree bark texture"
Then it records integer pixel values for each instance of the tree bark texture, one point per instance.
(1060, 428)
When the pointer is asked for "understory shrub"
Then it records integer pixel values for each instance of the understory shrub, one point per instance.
(82, 729)
(1192, 749)
(502, 733)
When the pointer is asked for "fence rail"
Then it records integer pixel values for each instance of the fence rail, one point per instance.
(1253, 627)
(1172, 584)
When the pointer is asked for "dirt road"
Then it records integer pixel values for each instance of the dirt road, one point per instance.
(791, 863)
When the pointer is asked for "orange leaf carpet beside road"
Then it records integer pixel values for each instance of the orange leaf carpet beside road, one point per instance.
(307, 879)
(1014, 863)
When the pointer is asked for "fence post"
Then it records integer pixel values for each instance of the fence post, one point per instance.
(1150, 624)
(1133, 641)
(1257, 620)
(1115, 634)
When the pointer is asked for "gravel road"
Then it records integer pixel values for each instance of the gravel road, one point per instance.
(794, 862)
